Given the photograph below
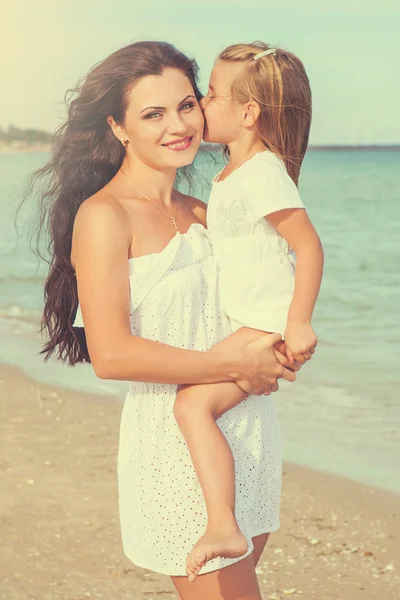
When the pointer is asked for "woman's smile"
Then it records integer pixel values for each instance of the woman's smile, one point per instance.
(179, 145)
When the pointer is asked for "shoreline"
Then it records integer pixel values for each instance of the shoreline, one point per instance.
(24, 149)
(338, 538)
(298, 423)
(46, 147)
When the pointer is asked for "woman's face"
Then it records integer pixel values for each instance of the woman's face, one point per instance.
(221, 112)
(164, 122)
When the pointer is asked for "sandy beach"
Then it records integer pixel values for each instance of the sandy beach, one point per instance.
(339, 540)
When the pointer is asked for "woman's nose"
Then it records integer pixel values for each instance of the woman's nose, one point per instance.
(177, 124)
(203, 103)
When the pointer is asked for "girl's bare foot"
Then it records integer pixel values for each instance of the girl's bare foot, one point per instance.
(229, 544)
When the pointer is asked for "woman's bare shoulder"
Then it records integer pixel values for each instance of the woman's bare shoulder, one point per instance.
(102, 211)
(102, 220)
(198, 207)
(103, 202)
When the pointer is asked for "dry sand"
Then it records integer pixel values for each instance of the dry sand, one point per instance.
(339, 540)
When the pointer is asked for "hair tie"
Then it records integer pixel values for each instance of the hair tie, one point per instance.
(265, 53)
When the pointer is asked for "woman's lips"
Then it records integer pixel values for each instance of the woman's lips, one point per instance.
(179, 145)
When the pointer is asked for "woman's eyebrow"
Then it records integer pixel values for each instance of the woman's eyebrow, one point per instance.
(153, 108)
(187, 97)
(164, 107)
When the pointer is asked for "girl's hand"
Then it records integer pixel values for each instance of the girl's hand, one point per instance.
(281, 354)
(300, 340)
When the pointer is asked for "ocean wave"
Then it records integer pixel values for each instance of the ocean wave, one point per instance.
(21, 314)
(7, 278)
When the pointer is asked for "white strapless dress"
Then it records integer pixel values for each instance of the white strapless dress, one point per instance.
(174, 299)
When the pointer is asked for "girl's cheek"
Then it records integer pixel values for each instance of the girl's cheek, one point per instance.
(198, 119)
(207, 109)
(214, 115)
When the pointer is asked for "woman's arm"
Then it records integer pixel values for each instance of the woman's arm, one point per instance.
(100, 246)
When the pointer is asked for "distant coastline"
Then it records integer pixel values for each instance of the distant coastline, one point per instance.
(16, 140)
(330, 147)
(24, 147)
(356, 147)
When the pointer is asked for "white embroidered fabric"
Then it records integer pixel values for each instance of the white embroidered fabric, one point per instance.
(175, 300)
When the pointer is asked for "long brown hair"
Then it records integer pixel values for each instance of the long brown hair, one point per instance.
(85, 157)
(279, 84)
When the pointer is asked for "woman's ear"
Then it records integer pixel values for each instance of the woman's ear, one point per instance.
(117, 130)
(251, 113)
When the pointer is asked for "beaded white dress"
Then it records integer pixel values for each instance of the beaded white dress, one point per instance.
(175, 300)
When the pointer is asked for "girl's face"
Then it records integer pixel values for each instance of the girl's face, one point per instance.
(222, 113)
(164, 122)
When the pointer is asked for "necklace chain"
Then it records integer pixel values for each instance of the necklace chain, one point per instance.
(237, 166)
(173, 219)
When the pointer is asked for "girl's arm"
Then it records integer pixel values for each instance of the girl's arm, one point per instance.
(296, 228)
(100, 246)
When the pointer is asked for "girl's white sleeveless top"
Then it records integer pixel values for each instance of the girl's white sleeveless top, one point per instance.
(256, 263)
(175, 300)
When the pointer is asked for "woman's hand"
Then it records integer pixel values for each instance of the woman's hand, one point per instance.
(284, 360)
(260, 368)
(300, 341)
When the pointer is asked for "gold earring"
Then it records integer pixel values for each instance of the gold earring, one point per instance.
(123, 142)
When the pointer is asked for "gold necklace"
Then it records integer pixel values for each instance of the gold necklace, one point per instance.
(173, 219)
(237, 166)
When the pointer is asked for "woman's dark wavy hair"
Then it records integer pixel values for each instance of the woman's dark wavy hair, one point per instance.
(85, 157)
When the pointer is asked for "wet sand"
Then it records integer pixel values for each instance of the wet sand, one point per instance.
(339, 540)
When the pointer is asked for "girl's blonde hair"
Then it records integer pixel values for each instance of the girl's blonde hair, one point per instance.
(279, 84)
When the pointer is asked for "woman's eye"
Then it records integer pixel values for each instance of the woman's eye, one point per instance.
(152, 115)
(187, 106)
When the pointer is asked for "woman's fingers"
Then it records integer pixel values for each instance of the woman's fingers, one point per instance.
(281, 347)
(268, 366)
(273, 387)
(282, 358)
(296, 366)
(288, 374)
(273, 338)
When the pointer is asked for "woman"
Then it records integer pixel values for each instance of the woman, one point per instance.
(137, 255)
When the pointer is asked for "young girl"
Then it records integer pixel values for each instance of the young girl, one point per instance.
(259, 107)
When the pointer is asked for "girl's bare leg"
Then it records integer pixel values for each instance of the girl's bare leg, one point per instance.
(236, 582)
(196, 410)
(259, 543)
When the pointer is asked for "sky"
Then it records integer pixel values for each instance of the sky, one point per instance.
(350, 50)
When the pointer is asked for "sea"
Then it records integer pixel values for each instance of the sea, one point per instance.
(343, 413)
